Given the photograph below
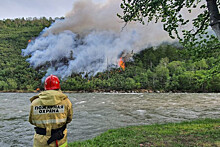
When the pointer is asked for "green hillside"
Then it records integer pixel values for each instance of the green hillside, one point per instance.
(15, 73)
(164, 68)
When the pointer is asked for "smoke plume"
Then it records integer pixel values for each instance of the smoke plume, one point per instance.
(89, 40)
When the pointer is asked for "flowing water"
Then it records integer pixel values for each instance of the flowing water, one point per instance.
(95, 113)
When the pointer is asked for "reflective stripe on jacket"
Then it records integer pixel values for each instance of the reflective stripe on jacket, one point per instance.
(50, 109)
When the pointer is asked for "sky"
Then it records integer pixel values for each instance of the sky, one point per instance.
(35, 8)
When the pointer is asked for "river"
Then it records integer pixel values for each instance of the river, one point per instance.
(94, 113)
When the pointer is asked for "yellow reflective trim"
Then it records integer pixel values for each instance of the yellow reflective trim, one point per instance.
(63, 145)
(49, 121)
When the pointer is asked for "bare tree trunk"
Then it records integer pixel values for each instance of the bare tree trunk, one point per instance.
(214, 16)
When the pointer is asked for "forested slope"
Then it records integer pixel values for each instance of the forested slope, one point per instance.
(15, 73)
(163, 68)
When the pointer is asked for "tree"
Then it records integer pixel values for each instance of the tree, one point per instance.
(214, 15)
(215, 83)
(186, 81)
(3, 85)
(176, 67)
(12, 84)
(169, 12)
(142, 79)
(153, 82)
(162, 73)
(130, 84)
(201, 64)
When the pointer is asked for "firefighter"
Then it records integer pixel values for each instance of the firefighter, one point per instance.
(50, 112)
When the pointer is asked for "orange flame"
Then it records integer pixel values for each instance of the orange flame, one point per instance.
(121, 63)
(29, 41)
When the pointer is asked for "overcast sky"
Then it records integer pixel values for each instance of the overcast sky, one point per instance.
(35, 8)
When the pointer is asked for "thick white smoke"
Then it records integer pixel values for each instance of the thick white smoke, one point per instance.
(89, 39)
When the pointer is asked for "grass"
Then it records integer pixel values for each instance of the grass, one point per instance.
(198, 133)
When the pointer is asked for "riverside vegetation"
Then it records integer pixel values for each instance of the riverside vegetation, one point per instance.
(167, 67)
(193, 133)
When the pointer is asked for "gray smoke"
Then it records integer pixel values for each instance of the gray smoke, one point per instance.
(90, 39)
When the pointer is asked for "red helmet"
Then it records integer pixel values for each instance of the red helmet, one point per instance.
(52, 82)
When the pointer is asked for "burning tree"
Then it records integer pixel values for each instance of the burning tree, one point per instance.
(121, 63)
